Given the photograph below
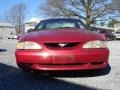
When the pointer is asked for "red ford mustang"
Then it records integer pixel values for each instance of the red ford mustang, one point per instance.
(60, 45)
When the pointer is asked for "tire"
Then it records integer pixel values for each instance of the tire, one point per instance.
(114, 38)
(107, 39)
(25, 70)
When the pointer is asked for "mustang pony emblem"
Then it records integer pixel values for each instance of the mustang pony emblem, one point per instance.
(62, 44)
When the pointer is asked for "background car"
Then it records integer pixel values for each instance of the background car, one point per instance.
(12, 36)
(109, 35)
(117, 34)
(61, 45)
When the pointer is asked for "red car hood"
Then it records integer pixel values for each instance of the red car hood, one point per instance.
(61, 35)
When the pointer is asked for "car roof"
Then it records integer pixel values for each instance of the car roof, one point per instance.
(61, 19)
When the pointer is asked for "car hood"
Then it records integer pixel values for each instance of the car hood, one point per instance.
(61, 35)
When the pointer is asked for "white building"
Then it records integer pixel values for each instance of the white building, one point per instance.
(105, 27)
(5, 29)
(31, 23)
(117, 27)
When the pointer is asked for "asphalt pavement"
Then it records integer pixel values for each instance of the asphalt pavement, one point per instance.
(12, 78)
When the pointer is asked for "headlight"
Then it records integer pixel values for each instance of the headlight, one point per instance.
(96, 44)
(28, 45)
(20, 45)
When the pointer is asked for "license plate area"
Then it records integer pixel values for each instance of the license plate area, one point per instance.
(65, 59)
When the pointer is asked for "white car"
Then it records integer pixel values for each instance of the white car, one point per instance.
(117, 34)
(12, 36)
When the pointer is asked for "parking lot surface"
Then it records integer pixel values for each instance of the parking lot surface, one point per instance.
(12, 78)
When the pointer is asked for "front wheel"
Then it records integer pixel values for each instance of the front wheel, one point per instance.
(25, 70)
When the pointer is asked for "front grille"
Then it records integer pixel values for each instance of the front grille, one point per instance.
(62, 44)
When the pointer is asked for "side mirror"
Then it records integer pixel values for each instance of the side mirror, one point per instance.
(30, 30)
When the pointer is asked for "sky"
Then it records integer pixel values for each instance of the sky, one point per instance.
(32, 7)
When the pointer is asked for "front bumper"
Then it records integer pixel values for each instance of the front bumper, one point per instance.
(62, 59)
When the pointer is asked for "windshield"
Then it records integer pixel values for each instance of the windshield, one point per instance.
(59, 23)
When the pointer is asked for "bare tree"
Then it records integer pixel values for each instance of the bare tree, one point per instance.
(16, 15)
(88, 11)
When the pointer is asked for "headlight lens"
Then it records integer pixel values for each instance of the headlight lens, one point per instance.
(96, 44)
(20, 45)
(28, 45)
